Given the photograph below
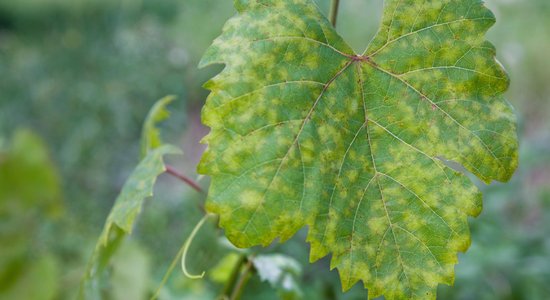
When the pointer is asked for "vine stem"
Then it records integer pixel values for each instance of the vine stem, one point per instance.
(233, 277)
(172, 171)
(334, 12)
(245, 276)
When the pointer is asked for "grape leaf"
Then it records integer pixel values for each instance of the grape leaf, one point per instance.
(150, 135)
(306, 132)
(122, 217)
(129, 202)
(137, 188)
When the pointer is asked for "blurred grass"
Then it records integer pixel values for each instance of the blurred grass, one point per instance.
(82, 74)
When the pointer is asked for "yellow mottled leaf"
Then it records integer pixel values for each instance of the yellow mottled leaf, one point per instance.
(306, 132)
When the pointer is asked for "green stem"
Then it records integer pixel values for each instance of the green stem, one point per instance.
(334, 11)
(245, 276)
(230, 284)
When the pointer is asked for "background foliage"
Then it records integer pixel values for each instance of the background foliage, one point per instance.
(81, 75)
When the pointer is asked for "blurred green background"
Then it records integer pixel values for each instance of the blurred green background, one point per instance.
(77, 78)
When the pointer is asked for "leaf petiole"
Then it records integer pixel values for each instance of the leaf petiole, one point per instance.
(172, 171)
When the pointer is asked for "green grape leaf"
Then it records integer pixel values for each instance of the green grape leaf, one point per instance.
(29, 180)
(137, 188)
(306, 132)
(150, 135)
(122, 217)
(30, 199)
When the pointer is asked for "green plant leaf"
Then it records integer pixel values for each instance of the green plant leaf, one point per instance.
(122, 217)
(136, 189)
(30, 199)
(150, 135)
(306, 132)
(28, 179)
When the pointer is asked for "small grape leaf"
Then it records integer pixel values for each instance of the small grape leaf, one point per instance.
(138, 187)
(306, 132)
(150, 135)
(122, 217)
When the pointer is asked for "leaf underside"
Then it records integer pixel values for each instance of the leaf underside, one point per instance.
(306, 132)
